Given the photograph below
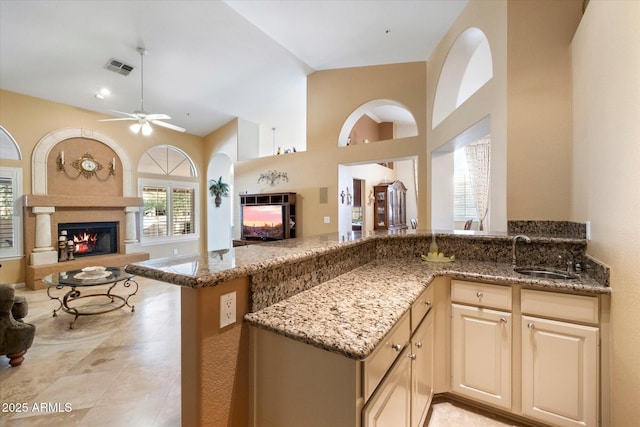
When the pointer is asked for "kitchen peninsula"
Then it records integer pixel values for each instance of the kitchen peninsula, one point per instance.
(342, 295)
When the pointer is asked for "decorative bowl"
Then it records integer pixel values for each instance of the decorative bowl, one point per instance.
(93, 271)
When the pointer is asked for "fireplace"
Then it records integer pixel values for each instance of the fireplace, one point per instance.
(91, 238)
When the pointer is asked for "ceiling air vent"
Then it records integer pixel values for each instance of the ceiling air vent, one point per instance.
(118, 67)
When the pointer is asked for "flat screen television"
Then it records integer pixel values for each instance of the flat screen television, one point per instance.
(263, 222)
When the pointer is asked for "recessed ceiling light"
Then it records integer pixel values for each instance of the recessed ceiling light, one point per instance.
(102, 93)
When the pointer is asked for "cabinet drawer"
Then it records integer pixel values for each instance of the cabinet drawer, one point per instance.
(379, 362)
(575, 308)
(481, 294)
(421, 307)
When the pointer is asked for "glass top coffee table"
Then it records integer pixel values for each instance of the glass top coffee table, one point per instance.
(80, 281)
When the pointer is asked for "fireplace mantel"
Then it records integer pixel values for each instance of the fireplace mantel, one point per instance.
(41, 200)
(44, 212)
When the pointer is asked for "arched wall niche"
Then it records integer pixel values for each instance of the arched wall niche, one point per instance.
(49, 141)
(466, 69)
(220, 219)
(380, 110)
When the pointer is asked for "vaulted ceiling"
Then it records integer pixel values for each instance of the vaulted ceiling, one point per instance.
(208, 61)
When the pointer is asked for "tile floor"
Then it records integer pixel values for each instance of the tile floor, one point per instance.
(121, 368)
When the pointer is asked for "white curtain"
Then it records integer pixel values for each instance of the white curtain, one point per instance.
(478, 156)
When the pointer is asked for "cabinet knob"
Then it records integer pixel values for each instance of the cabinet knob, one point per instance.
(396, 347)
(479, 294)
(503, 320)
(531, 326)
(427, 303)
(419, 344)
(412, 356)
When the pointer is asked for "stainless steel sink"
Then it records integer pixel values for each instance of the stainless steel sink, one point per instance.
(545, 274)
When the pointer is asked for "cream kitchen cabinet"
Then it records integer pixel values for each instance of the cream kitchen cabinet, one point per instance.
(481, 342)
(404, 396)
(560, 358)
(422, 347)
(295, 384)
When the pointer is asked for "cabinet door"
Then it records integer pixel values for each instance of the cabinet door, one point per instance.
(390, 405)
(422, 371)
(560, 372)
(481, 354)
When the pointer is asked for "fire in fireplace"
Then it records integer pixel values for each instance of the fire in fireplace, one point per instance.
(91, 238)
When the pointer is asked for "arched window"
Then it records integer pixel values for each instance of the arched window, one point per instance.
(9, 148)
(377, 120)
(467, 68)
(170, 208)
(10, 196)
(167, 160)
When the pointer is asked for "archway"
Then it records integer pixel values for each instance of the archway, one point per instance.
(380, 111)
(220, 219)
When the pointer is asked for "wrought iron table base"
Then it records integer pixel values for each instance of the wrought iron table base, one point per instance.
(74, 294)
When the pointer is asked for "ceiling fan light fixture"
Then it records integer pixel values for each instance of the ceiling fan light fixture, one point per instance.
(146, 129)
(135, 128)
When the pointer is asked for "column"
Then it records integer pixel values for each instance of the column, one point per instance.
(131, 243)
(43, 252)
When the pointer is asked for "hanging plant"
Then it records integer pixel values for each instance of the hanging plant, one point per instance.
(218, 189)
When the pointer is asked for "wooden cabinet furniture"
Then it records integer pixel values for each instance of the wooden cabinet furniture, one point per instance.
(560, 358)
(481, 342)
(390, 206)
(288, 214)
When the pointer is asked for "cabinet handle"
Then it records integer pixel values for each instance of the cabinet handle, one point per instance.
(531, 326)
(419, 344)
(503, 320)
(479, 294)
(396, 347)
(412, 356)
(427, 303)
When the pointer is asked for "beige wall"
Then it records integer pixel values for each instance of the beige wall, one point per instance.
(29, 119)
(332, 95)
(539, 33)
(606, 177)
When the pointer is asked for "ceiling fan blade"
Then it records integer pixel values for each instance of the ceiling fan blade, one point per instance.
(115, 120)
(125, 114)
(168, 125)
(157, 117)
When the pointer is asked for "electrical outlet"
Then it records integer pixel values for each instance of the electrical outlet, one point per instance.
(227, 309)
(327, 219)
(588, 230)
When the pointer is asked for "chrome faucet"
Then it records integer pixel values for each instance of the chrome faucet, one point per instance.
(514, 261)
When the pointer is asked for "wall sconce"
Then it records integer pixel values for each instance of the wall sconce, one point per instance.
(342, 197)
(273, 177)
(349, 197)
(60, 161)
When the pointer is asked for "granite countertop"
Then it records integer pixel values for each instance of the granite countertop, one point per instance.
(351, 313)
(214, 267)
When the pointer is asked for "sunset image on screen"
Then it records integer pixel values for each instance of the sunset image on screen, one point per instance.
(262, 222)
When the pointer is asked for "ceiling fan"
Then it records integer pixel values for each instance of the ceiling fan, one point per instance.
(143, 118)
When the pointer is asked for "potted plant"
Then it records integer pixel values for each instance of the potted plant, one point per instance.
(218, 189)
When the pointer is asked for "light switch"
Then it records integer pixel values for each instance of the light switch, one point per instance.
(327, 219)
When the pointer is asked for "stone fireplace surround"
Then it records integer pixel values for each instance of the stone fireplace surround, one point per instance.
(43, 212)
